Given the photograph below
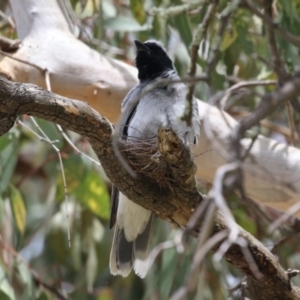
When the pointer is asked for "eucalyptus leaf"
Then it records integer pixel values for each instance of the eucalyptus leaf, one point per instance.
(182, 24)
(85, 185)
(8, 160)
(6, 290)
(168, 272)
(88, 10)
(138, 11)
(4, 141)
(229, 37)
(4, 296)
(92, 193)
(18, 207)
(43, 296)
(75, 170)
(242, 218)
(27, 280)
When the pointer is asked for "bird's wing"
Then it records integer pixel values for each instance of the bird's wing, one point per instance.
(129, 105)
(114, 206)
(124, 130)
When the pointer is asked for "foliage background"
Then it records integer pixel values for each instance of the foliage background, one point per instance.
(32, 208)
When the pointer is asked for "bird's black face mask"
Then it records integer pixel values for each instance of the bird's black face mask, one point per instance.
(151, 60)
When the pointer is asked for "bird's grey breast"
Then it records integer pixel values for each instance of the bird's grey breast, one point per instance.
(159, 107)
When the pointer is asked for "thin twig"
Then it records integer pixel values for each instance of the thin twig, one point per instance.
(291, 122)
(244, 84)
(176, 10)
(245, 155)
(184, 291)
(48, 85)
(176, 242)
(52, 143)
(283, 241)
(9, 45)
(9, 19)
(218, 195)
(196, 217)
(198, 37)
(285, 131)
(75, 148)
(284, 217)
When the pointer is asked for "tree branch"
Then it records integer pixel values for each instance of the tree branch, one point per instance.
(176, 204)
(103, 83)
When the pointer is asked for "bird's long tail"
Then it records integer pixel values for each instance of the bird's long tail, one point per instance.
(132, 240)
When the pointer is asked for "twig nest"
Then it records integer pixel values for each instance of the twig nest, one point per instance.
(165, 159)
(143, 158)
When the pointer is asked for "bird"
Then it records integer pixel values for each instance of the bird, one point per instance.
(144, 110)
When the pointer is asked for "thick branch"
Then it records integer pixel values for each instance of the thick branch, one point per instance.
(78, 72)
(175, 204)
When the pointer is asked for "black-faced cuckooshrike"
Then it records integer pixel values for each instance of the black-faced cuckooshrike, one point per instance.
(142, 114)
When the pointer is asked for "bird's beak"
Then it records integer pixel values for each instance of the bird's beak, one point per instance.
(141, 47)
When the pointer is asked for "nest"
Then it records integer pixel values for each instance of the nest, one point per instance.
(144, 158)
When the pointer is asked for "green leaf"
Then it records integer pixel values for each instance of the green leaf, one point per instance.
(229, 37)
(88, 10)
(92, 193)
(122, 24)
(4, 296)
(75, 171)
(218, 80)
(4, 141)
(8, 160)
(56, 241)
(138, 11)
(85, 185)
(18, 208)
(6, 291)
(242, 218)
(264, 73)
(26, 277)
(10, 137)
(182, 24)
(168, 272)
(105, 293)
(43, 296)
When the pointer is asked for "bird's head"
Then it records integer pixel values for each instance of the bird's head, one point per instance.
(151, 60)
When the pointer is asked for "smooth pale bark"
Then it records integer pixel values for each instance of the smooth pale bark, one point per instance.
(76, 71)
(272, 170)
